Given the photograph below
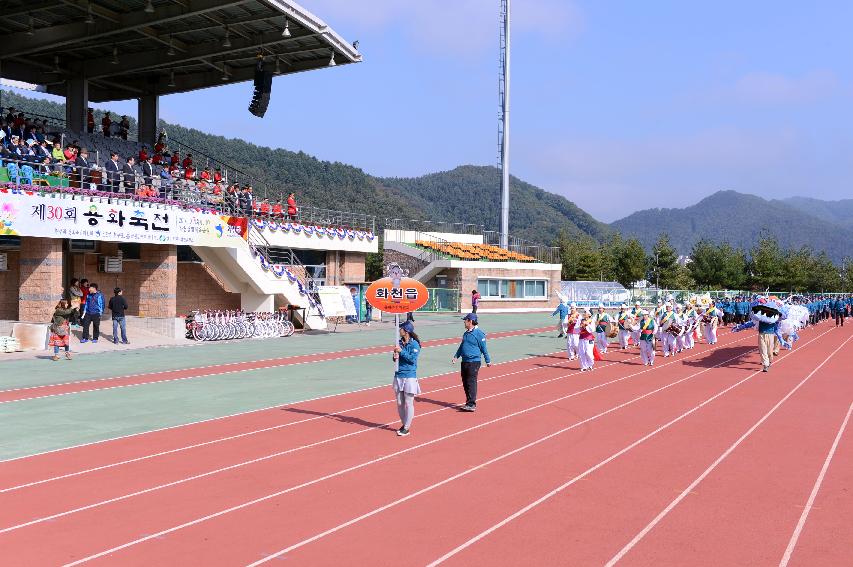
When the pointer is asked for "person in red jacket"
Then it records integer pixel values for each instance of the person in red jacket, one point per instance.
(277, 210)
(265, 208)
(143, 154)
(205, 174)
(292, 211)
(188, 161)
(106, 122)
(217, 176)
(90, 121)
(176, 158)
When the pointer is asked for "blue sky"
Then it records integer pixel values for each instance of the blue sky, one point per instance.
(617, 105)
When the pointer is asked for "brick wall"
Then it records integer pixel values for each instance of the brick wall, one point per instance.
(40, 283)
(158, 279)
(353, 266)
(198, 289)
(410, 263)
(9, 282)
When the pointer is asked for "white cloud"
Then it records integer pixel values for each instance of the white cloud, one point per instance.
(774, 88)
(459, 28)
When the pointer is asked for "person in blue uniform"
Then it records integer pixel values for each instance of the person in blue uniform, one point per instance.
(472, 350)
(406, 385)
(562, 313)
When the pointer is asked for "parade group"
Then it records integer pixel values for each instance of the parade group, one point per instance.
(678, 327)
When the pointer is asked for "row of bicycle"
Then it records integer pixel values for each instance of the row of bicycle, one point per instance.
(228, 325)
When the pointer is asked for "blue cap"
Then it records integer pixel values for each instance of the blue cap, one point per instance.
(408, 327)
(470, 317)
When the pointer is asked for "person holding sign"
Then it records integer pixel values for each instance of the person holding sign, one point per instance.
(406, 385)
(471, 350)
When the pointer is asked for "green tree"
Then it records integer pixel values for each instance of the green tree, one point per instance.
(631, 265)
(663, 270)
(683, 278)
(767, 264)
(610, 251)
(373, 268)
(705, 265)
(824, 275)
(733, 267)
(797, 266)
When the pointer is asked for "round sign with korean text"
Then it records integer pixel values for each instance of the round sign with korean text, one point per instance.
(408, 295)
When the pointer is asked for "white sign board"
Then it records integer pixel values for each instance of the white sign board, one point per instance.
(336, 301)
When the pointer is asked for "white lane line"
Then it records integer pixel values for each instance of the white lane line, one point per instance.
(589, 471)
(392, 455)
(279, 360)
(631, 544)
(802, 522)
(507, 455)
(262, 430)
(445, 342)
(222, 417)
(251, 462)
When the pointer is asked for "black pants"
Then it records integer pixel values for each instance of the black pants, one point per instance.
(839, 318)
(95, 320)
(469, 381)
(474, 309)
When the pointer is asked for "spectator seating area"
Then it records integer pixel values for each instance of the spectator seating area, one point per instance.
(463, 251)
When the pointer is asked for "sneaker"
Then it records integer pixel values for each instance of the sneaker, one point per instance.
(115, 342)
(402, 432)
(84, 341)
(55, 357)
(68, 355)
(94, 341)
(125, 342)
(766, 368)
(468, 407)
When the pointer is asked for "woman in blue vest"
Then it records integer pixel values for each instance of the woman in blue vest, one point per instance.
(406, 385)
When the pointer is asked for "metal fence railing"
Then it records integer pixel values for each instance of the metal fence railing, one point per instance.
(442, 300)
(545, 254)
(433, 226)
(67, 178)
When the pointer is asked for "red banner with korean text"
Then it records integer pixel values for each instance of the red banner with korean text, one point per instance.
(409, 295)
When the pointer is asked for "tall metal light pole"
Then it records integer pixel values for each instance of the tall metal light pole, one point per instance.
(503, 129)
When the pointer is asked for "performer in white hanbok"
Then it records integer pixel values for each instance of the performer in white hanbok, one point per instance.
(573, 330)
(711, 320)
(636, 313)
(587, 341)
(624, 321)
(681, 321)
(667, 319)
(647, 338)
(602, 328)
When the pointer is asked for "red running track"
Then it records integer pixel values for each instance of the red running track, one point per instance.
(43, 391)
(346, 489)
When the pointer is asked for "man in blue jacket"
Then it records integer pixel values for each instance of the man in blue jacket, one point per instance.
(93, 308)
(471, 350)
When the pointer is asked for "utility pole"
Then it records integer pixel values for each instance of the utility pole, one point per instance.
(503, 127)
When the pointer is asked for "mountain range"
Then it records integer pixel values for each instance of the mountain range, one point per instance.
(741, 219)
(470, 194)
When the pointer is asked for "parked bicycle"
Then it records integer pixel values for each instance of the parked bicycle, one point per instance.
(229, 325)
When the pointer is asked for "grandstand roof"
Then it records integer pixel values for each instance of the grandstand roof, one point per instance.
(125, 49)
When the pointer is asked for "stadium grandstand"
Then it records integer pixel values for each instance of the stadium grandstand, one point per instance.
(176, 229)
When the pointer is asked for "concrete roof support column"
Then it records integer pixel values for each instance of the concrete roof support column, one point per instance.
(76, 104)
(149, 116)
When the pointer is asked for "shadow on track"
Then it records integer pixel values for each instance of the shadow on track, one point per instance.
(340, 417)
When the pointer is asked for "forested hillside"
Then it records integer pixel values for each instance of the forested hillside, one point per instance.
(740, 220)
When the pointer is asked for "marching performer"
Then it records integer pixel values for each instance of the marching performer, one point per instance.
(690, 323)
(573, 330)
(587, 340)
(562, 313)
(623, 321)
(657, 314)
(636, 313)
(711, 320)
(667, 319)
(602, 327)
(767, 314)
(681, 320)
(647, 338)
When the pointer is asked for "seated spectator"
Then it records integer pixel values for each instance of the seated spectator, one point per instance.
(70, 153)
(217, 176)
(124, 127)
(57, 153)
(265, 208)
(188, 161)
(157, 159)
(90, 121)
(189, 173)
(106, 124)
(143, 154)
(46, 166)
(205, 174)
(43, 151)
(159, 146)
(175, 159)
(10, 118)
(278, 210)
